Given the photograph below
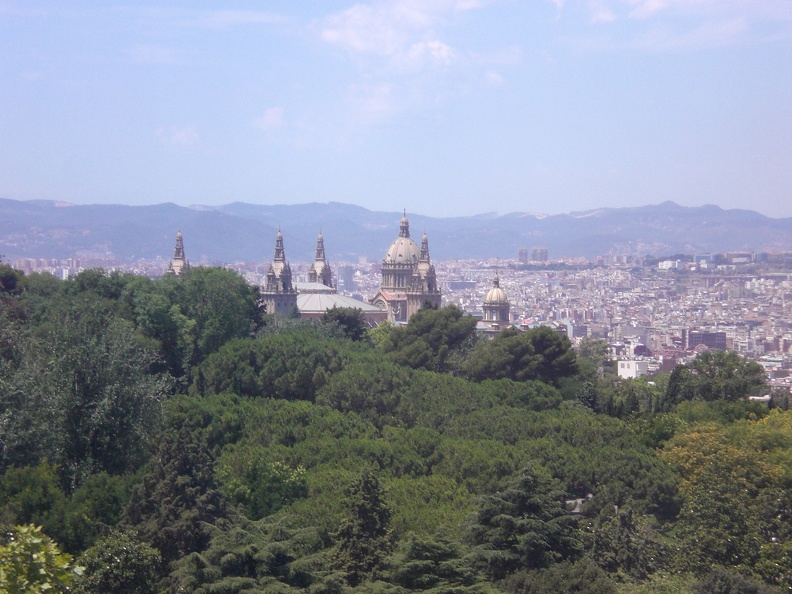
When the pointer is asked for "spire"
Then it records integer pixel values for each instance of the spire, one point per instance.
(320, 252)
(179, 261)
(496, 280)
(280, 254)
(424, 248)
(178, 252)
(404, 230)
(320, 272)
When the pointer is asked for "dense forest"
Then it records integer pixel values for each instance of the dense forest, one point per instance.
(169, 436)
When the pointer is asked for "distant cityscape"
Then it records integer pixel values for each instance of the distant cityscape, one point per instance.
(653, 313)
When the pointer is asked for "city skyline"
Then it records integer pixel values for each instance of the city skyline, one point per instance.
(443, 107)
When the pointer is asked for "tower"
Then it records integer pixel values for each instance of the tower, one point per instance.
(278, 293)
(408, 277)
(320, 271)
(179, 263)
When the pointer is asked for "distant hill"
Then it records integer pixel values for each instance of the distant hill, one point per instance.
(246, 232)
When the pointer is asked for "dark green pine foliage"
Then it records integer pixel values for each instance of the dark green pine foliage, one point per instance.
(431, 337)
(724, 581)
(624, 543)
(538, 354)
(364, 538)
(246, 556)
(525, 526)
(433, 564)
(350, 321)
(581, 577)
(177, 502)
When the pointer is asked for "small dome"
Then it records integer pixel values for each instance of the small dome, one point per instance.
(403, 251)
(496, 295)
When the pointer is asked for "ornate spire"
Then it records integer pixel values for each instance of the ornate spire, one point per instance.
(404, 230)
(178, 252)
(424, 248)
(179, 261)
(320, 252)
(280, 254)
(320, 272)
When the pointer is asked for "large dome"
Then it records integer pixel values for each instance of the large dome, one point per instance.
(403, 251)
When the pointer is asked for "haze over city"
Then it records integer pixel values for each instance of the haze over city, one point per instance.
(442, 107)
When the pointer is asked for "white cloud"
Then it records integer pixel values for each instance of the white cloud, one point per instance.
(646, 8)
(600, 11)
(394, 28)
(184, 137)
(272, 119)
(429, 51)
(709, 34)
(673, 25)
(601, 14)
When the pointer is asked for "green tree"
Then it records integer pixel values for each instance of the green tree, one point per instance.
(538, 354)
(94, 507)
(437, 564)
(713, 375)
(524, 526)
(723, 581)
(371, 387)
(30, 495)
(220, 302)
(82, 395)
(624, 543)
(350, 321)
(249, 477)
(121, 564)
(430, 337)
(580, 577)
(10, 280)
(31, 563)
(292, 366)
(246, 556)
(177, 502)
(364, 538)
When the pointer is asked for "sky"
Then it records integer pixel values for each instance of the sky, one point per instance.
(440, 107)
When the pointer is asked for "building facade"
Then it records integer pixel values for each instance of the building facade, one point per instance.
(408, 277)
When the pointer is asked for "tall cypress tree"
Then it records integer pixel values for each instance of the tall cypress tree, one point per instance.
(364, 537)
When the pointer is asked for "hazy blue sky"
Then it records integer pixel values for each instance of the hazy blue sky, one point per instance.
(443, 107)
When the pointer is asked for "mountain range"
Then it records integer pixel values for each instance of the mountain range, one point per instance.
(246, 232)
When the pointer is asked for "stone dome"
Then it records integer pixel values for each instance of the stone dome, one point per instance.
(403, 251)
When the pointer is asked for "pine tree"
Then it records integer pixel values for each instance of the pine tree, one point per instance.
(364, 537)
(524, 526)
